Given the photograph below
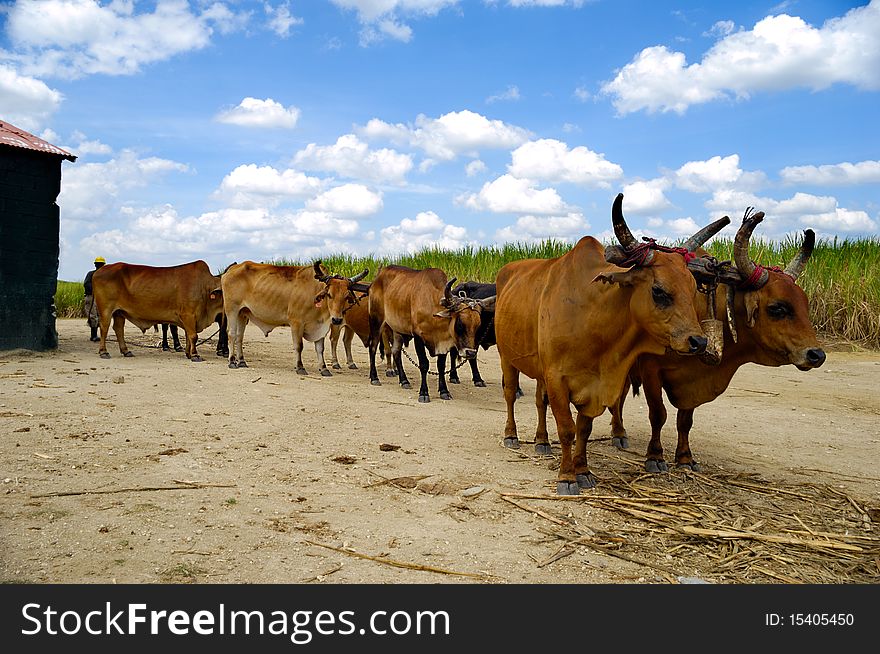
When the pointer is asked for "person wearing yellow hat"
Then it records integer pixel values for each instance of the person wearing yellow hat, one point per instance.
(89, 300)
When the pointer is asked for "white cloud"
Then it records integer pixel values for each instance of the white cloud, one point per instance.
(352, 200)
(382, 18)
(538, 228)
(683, 226)
(804, 203)
(780, 52)
(280, 20)
(842, 174)
(26, 102)
(716, 174)
(253, 112)
(802, 209)
(89, 191)
(842, 220)
(545, 3)
(512, 93)
(721, 28)
(582, 94)
(705, 176)
(474, 168)
(73, 38)
(84, 146)
(252, 185)
(452, 134)
(508, 194)
(351, 157)
(646, 196)
(427, 229)
(551, 160)
(162, 237)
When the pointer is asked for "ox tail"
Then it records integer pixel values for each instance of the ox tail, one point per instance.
(636, 387)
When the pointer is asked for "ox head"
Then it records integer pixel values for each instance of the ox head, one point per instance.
(463, 314)
(338, 293)
(662, 288)
(772, 306)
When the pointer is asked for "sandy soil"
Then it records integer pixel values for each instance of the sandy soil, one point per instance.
(294, 464)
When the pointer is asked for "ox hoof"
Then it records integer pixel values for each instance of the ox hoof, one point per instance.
(479, 383)
(693, 465)
(446, 395)
(105, 355)
(129, 353)
(586, 480)
(512, 442)
(406, 385)
(178, 348)
(233, 365)
(656, 466)
(391, 373)
(375, 382)
(543, 448)
(620, 442)
(454, 381)
(567, 488)
(519, 393)
(301, 371)
(222, 353)
(94, 339)
(424, 399)
(197, 359)
(165, 348)
(352, 366)
(336, 366)
(326, 373)
(242, 364)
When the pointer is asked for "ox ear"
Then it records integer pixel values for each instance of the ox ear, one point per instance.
(751, 301)
(446, 313)
(626, 278)
(217, 292)
(488, 303)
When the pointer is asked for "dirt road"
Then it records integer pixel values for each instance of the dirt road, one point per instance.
(164, 470)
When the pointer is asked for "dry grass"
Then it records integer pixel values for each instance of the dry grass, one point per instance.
(717, 526)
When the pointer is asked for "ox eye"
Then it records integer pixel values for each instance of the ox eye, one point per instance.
(779, 310)
(661, 297)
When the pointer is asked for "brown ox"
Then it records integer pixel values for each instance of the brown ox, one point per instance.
(356, 322)
(771, 320)
(579, 338)
(187, 295)
(306, 298)
(418, 304)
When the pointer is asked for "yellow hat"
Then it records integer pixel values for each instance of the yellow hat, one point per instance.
(100, 260)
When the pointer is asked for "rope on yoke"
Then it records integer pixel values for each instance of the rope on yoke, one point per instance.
(640, 253)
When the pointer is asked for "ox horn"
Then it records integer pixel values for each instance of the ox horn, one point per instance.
(627, 240)
(320, 275)
(796, 267)
(448, 299)
(744, 263)
(359, 277)
(698, 239)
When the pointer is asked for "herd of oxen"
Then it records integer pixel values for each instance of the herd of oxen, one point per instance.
(587, 326)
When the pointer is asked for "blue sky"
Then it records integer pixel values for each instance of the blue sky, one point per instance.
(232, 130)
